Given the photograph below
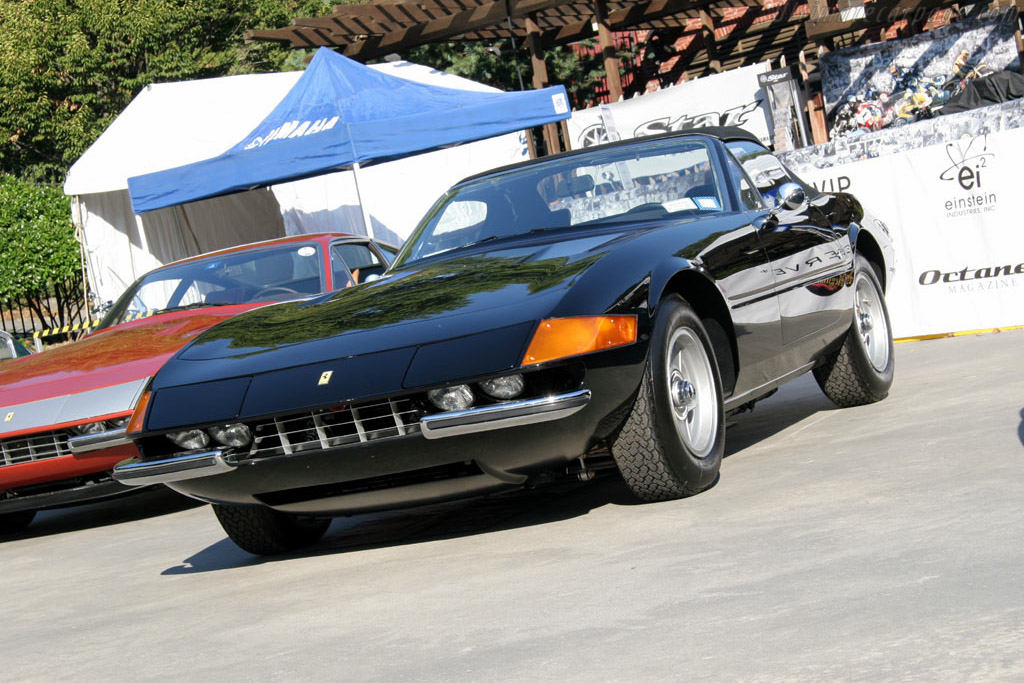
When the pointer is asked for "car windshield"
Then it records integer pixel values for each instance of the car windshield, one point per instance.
(644, 181)
(250, 276)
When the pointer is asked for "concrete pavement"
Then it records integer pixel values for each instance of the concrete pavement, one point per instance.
(875, 543)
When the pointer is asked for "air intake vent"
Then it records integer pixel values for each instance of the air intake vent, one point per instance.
(332, 428)
(33, 448)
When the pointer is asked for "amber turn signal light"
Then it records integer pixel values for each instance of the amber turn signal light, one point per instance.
(135, 424)
(563, 337)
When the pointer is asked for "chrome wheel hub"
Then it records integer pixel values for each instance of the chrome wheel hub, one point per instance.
(872, 326)
(692, 392)
(684, 396)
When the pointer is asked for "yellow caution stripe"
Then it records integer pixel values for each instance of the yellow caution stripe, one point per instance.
(42, 334)
(964, 333)
(64, 330)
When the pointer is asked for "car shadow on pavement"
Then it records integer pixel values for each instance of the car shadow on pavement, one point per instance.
(143, 504)
(544, 505)
(791, 404)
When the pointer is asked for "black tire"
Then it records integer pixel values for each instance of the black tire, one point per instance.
(263, 531)
(671, 444)
(13, 522)
(861, 370)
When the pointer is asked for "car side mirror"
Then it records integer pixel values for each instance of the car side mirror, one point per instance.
(792, 196)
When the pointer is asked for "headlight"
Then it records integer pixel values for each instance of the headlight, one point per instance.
(503, 387)
(91, 428)
(458, 397)
(235, 435)
(118, 423)
(190, 439)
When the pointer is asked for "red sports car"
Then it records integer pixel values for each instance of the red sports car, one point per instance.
(63, 412)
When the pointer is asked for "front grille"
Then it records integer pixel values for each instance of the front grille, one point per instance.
(35, 447)
(335, 427)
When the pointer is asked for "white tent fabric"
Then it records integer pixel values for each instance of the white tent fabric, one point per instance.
(172, 124)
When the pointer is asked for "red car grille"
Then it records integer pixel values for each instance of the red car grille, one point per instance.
(343, 426)
(33, 448)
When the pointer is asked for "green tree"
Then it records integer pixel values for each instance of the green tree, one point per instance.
(38, 252)
(69, 67)
(500, 66)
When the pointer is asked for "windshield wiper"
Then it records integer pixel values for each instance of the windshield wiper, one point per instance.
(473, 244)
(198, 304)
(551, 229)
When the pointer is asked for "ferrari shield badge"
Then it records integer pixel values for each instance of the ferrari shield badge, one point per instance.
(10, 416)
(325, 378)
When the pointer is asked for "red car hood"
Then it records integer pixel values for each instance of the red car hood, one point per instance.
(126, 353)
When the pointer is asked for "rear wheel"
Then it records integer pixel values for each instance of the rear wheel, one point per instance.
(263, 531)
(12, 522)
(672, 442)
(861, 370)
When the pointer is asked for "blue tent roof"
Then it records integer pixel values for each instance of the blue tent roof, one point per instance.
(341, 112)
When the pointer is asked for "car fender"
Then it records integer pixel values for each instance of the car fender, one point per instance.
(872, 238)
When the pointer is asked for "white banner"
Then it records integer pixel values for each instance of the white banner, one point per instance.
(732, 98)
(954, 214)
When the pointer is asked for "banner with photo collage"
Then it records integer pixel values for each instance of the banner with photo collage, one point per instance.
(951, 199)
(896, 82)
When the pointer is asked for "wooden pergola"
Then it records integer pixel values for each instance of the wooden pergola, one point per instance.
(718, 34)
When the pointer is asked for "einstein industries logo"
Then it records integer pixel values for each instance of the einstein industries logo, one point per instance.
(970, 163)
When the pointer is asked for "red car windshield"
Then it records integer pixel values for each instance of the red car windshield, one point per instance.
(254, 276)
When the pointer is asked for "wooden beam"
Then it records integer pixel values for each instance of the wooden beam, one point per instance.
(618, 20)
(540, 79)
(878, 13)
(443, 28)
(707, 30)
(607, 43)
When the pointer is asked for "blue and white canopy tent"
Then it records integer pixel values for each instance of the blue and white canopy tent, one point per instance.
(341, 114)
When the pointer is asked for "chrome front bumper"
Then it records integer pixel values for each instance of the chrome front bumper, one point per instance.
(94, 442)
(135, 472)
(504, 415)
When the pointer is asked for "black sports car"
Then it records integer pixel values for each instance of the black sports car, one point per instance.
(621, 299)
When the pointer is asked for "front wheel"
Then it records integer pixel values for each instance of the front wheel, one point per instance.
(861, 370)
(264, 531)
(671, 444)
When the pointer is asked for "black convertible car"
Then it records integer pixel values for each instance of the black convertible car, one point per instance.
(622, 299)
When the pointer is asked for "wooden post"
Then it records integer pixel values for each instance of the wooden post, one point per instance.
(707, 30)
(540, 78)
(611, 60)
(819, 128)
(815, 100)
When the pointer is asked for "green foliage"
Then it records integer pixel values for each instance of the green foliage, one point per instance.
(69, 67)
(38, 250)
(496, 65)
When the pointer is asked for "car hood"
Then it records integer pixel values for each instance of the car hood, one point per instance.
(480, 289)
(122, 357)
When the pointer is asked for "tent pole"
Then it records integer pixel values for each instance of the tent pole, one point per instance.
(362, 207)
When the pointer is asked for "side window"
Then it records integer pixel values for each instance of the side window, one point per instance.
(750, 198)
(764, 169)
(353, 262)
(389, 252)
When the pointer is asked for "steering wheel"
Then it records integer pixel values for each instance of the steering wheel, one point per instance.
(268, 292)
